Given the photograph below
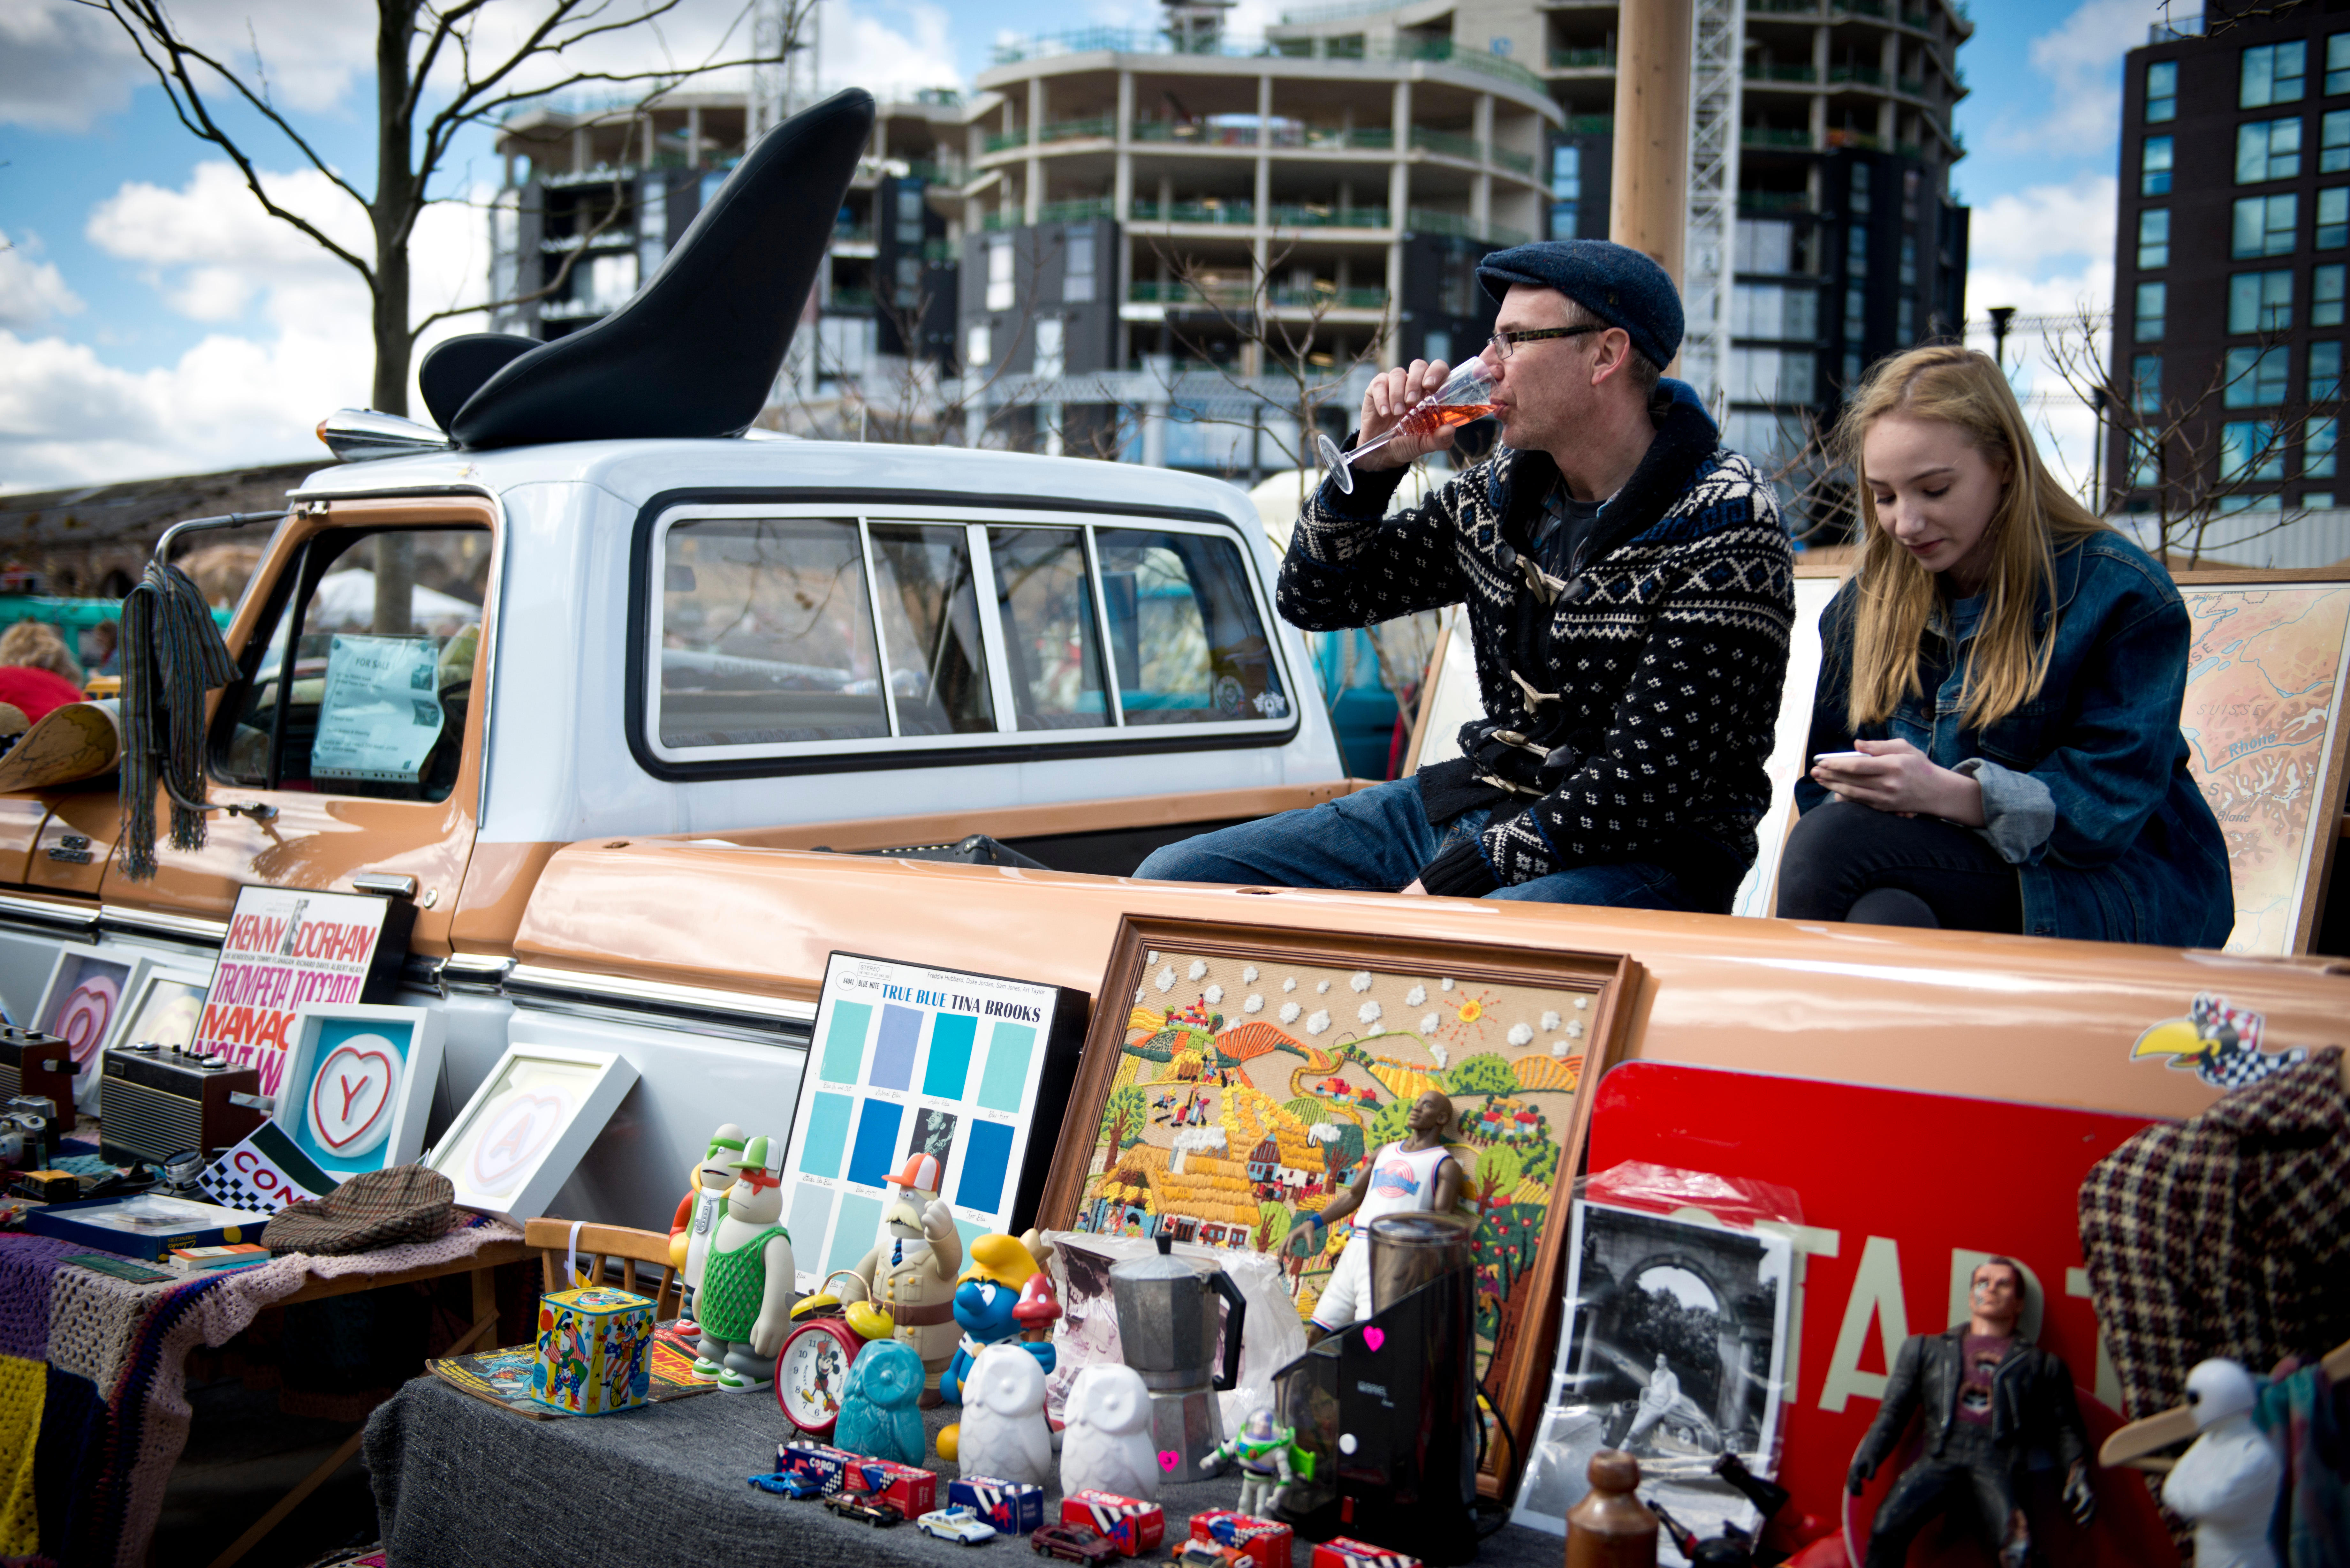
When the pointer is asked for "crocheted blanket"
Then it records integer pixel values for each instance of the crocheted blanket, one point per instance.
(93, 1399)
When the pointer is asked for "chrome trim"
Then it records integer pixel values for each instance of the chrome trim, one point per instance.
(473, 973)
(50, 912)
(388, 884)
(361, 435)
(530, 981)
(155, 923)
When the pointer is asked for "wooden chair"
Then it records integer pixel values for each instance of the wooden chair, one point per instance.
(597, 1243)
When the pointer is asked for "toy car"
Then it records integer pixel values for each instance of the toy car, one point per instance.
(1194, 1552)
(858, 1508)
(1071, 1543)
(790, 1483)
(959, 1523)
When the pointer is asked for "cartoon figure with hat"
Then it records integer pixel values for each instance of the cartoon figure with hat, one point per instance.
(698, 1211)
(987, 1300)
(910, 1271)
(746, 1302)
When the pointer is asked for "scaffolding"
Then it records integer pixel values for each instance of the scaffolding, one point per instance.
(784, 35)
(1719, 31)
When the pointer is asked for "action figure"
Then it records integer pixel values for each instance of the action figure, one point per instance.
(1262, 1450)
(698, 1212)
(986, 1304)
(1417, 1174)
(746, 1285)
(1989, 1400)
(910, 1271)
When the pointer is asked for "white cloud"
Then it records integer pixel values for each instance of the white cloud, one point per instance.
(2024, 230)
(62, 66)
(31, 291)
(2048, 319)
(887, 44)
(2082, 60)
(65, 65)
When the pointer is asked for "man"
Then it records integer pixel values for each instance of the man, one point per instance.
(1629, 591)
(1989, 1401)
(1656, 1401)
(1416, 1174)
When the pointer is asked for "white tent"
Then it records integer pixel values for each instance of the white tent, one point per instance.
(347, 600)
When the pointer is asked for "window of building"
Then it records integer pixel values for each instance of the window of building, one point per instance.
(2325, 296)
(1908, 261)
(2154, 238)
(2260, 301)
(1905, 320)
(2154, 167)
(1774, 310)
(978, 346)
(2337, 63)
(2162, 91)
(2145, 460)
(2318, 441)
(2334, 143)
(1856, 314)
(1001, 293)
(2257, 378)
(2334, 218)
(909, 214)
(1052, 346)
(2249, 449)
(2146, 384)
(2317, 500)
(2152, 298)
(1852, 368)
(1776, 375)
(1859, 191)
(2267, 149)
(1856, 252)
(2264, 226)
(1078, 267)
(1765, 244)
(909, 282)
(1566, 190)
(2324, 371)
(2271, 74)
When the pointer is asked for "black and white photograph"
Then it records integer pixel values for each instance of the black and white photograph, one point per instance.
(1675, 1351)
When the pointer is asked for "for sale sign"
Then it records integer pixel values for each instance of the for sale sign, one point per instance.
(287, 949)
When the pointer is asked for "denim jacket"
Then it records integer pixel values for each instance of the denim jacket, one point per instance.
(2086, 787)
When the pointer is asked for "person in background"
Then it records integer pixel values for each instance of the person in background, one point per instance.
(36, 673)
(1995, 733)
(108, 638)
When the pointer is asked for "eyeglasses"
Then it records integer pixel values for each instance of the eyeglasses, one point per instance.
(1503, 344)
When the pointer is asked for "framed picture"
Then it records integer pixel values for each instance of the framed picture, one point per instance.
(164, 1007)
(82, 1004)
(358, 1085)
(1235, 1075)
(2262, 719)
(520, 1136)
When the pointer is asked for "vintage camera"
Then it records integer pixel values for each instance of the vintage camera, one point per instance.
(155, 1101)
(32, 1063)
(28, 1132)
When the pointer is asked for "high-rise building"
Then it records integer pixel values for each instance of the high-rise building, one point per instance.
(2230, 252)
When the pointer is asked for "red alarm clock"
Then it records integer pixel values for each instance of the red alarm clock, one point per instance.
(812, 1368)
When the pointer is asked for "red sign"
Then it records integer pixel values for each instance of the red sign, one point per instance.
(1902, 1195)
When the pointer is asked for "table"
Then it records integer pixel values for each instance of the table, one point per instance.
(459, 1481)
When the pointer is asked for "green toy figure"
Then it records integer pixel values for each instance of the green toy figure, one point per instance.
(1263, 1449)
(746, 1302)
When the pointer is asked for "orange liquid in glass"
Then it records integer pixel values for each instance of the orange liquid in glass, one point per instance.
(1427, 421)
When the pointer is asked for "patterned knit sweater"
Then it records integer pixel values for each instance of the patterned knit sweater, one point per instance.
(1629, 707)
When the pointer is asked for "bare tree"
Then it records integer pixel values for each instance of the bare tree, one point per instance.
(425, 54)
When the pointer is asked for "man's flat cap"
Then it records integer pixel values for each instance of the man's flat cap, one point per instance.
(1615, 283)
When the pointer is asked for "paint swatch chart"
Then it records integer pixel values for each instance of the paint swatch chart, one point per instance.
(908, 1060)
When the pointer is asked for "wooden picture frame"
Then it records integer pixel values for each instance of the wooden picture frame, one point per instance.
(376, 1119)
(162, 1000)
(530, 1122)
(2266, 738)
(1381, 1057)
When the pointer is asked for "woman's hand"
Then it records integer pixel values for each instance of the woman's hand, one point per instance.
(1896, 776)
(1391, 395)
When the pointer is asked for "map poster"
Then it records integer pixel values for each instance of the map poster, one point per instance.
(906, 1061)
(2263, 718)
(287, 947)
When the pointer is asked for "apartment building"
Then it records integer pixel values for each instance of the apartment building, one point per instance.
(2229, 257)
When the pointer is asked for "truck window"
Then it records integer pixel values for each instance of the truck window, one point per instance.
(1183, 631)
(383, 627)
(930, 626)
(1052, 639)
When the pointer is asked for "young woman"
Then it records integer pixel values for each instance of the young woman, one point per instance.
(1995, 733)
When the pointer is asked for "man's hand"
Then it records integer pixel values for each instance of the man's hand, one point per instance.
(2078, 1498)
(1896, 776)
(1390, 396)
(1859, 1475)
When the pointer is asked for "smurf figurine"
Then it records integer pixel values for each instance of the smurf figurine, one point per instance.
(698, 1211)
(910, 1271)
(1263, 1449)
(746, 1286)
(987, 1304)
(878, 1417)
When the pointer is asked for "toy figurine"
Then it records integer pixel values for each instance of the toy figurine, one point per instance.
(698, 1211)
(1989, 1401)
(910, 1271)
(1418, 1173)
(987, 1304)
(1038, 1309)
(1263, 1449)
(878, 1417)
(1002, 1432)
(1107, 1444)
(746, 1284)
(2227, 1481)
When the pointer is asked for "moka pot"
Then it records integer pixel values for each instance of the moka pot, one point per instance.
(1167, 1326)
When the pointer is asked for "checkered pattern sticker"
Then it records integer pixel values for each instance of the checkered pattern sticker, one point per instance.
(263, 1174)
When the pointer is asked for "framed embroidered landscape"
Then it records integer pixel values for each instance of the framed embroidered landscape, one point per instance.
(1234, 1075)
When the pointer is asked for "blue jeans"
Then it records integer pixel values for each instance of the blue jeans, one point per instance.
(1380, 838)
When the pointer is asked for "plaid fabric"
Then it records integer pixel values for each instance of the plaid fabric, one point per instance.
(2225, 1235)
(374, 1209)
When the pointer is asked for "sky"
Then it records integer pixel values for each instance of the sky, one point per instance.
(155, 320)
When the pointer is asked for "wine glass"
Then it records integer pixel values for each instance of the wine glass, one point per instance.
(1467, 394)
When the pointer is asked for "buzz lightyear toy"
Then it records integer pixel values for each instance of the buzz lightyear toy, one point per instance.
(1262, 1450)
(746, 1302)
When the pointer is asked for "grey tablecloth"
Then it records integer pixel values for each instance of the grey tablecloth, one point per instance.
(459, 1481)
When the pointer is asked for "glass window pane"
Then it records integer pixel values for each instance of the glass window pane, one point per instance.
(2332, 217)
(2153, 238)
(2326, 367)
(2334, 143)
(2162, 90)
(1184, 634)
(1051, 639)
(2337, 63)
(2249, 449)
(2318, 444)
(2151, 299)
(2324, 296)
(766, 634)
(2154, 166)
(2146, 384)
(929, 629)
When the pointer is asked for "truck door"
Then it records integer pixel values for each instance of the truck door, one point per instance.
(355, 721)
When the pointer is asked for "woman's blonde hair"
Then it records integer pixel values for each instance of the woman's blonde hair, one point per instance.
(37, 644)
(2007, 662)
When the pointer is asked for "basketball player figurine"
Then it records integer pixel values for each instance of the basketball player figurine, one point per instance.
(1416, 1175)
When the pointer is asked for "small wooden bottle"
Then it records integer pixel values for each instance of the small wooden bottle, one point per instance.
(1611, 1527)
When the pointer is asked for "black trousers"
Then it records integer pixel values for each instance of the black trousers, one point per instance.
(1845, 861)
(1969, 1477)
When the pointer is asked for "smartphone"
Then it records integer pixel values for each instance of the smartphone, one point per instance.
(1839, 757)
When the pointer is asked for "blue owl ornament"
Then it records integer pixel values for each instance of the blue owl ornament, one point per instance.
(877, 1414)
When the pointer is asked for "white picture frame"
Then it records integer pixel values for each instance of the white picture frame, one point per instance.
(372, 1117)
(159, 988)
(520, 1136)
(75, 1007)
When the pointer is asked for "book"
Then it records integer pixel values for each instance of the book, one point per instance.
(234, 1255)
(503, 1378)
(123, 1269)
(147, 1227)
